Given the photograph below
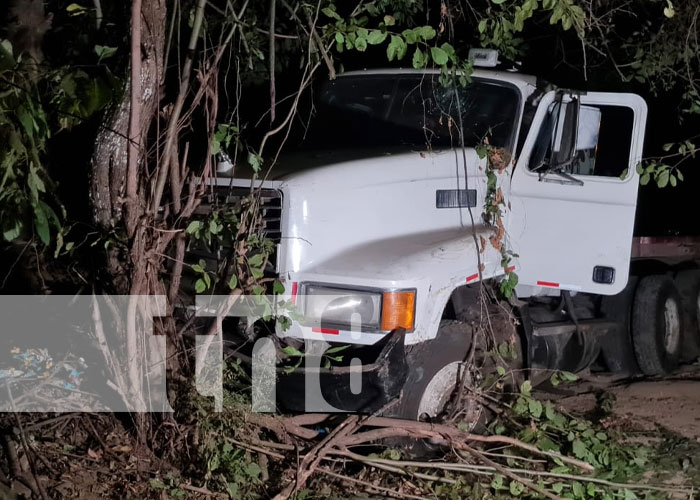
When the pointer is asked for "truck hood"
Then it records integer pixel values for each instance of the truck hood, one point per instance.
(384, 205)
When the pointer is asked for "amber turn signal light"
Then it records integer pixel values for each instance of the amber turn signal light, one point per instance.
(398, 310)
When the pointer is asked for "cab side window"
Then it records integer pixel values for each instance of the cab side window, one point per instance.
(603, 142)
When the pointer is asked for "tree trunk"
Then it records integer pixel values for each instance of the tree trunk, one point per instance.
(110, 158)
(121, 143)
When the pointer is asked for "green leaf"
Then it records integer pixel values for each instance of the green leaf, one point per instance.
(579, 448)
(662, 179)
(41, 224)
(339, 37)
(644, 180)
(75, 10)
(396, 48)
(255, 161)
(535, 408)
(278, 288)
(376, 37)
(292, 352)
(669, 11)
(193, 227)
(624, 174)
(640, 168)
(257, 290)
(411, 36)
(630, 495)
(482, 26)
(439, 56)
(547, 444)
(449, 49)
(526, 388)
(155, 484)
(516, 488)
(330, 12)
(497, 482)
(200, 286)
(389, 20)
(253, 470)
(233, 282)
(35, 182)
(500, 370)
(569, 377)
(426, 32)
(12, 231)
(673, 181)
(255, 260)
(104, 52)
(418, 59)
(679, 174)
(361, 44)
(549, 411)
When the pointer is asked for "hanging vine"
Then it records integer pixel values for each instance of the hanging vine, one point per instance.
(497, 160)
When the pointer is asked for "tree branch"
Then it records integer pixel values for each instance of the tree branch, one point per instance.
(132, 179)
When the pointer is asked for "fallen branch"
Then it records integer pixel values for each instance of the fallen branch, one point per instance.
(424, 429)
(281, 427)
(313, 458)
(386, 491)
(512, 475)
(390, 427)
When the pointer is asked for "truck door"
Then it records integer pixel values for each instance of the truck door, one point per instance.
(574, 192)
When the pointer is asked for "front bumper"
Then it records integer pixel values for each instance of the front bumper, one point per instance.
(381, 382)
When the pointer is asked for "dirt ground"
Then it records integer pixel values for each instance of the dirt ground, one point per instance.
(671, 402)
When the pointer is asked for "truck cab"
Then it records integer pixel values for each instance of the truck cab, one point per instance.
(407, 196)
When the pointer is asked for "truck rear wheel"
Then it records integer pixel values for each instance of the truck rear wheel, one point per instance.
(436, 368)
(616, 346)
(688, 284)
(657, 325)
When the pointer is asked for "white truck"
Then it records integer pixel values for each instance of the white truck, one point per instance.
(384, 237)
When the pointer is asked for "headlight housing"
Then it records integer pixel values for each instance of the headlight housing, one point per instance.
(371, 310)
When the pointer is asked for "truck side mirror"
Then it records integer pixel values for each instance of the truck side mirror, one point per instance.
(565, 135)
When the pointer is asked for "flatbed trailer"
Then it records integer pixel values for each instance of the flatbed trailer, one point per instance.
(667, 248)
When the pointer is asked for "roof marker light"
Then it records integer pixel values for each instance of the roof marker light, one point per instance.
(485, 58)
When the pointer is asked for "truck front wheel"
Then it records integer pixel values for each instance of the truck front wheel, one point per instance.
(436, 368)
(657, 325)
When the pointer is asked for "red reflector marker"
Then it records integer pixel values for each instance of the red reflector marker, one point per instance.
(548, 283)
(295, 289)
(472, 277)
(325, 330)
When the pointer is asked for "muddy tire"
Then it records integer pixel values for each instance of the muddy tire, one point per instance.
(616, 347)
(657, 323)
(688, 285)
(434, 369)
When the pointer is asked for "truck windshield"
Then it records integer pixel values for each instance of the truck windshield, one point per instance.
(410, 111)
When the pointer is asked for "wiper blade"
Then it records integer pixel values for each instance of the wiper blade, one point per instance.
(566, 177)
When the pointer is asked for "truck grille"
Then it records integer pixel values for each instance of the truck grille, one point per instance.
(267, 225)
(269, 205)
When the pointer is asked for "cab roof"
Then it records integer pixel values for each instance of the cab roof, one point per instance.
(526, 83)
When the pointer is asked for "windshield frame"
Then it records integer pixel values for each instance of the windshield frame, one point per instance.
(398, 78)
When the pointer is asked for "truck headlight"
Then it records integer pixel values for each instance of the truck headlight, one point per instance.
(372, 310)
